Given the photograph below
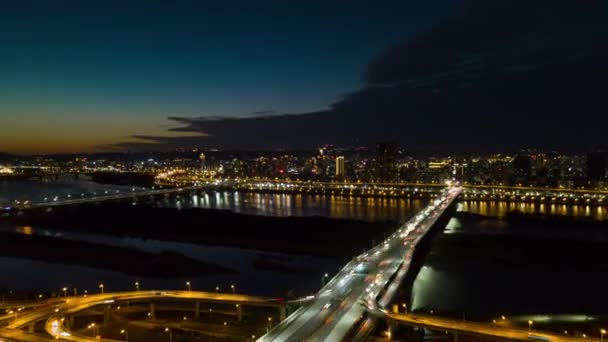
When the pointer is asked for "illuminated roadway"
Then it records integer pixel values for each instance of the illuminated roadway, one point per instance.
(53, 313)
(337, 307)
(479, 329)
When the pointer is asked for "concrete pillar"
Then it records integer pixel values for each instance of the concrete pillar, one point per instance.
(197, 309)
(239, 312)
(30, 328)
(152, 310)
(107, 314)
(282, 313)
(392, 329)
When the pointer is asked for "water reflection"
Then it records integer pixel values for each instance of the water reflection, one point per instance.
(502, 208)
(334, 206)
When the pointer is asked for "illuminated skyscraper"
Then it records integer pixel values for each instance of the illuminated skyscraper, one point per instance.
(340, 166)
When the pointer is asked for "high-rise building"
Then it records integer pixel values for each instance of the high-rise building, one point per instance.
(386, 163)
(340, 170)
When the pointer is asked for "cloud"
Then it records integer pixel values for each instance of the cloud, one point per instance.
(494, 76)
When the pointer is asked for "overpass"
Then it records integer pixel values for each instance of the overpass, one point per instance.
(336, 308)
(57, 315)
(478, 329)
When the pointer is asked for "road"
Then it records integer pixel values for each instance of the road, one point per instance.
(336, 308)
(54, 314)
(479, 329)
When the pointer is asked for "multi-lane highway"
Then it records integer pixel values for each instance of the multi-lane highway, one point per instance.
(337, 307)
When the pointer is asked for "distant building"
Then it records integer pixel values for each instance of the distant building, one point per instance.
(522, 164)
(340, 170)
(385, 168)
(597, 164)
(202, 159)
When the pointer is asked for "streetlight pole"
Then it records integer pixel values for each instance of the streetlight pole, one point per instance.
(602, 332)
(126, 333)
(101, 288)
(92, 326)
(65, 291)
(189, 286)
(324, 279)
(137, 286)
(530, 326)
(232, 287)
(167, 330)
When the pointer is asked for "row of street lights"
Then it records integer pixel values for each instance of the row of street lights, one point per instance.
(217, 288)
(137, 284)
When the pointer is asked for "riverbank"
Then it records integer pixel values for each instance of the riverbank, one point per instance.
(129, 261)
(297, 235)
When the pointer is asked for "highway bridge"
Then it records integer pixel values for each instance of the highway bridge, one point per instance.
(337, 307)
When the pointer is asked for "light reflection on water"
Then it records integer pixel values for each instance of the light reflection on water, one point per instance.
(37, 275)
(497, 290)
(502, 208)
(342, 207)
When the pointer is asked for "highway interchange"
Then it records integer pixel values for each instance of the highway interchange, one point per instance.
(55, 312)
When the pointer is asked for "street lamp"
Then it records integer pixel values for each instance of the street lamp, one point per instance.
(137, 285)
(404, 305)
(92, 326)
(530, 326)
(189, 286)
(232, 287)
(126, 333)
(602, 332)
(167, 330)
(269, 323)
(101, 288)
(65, 291)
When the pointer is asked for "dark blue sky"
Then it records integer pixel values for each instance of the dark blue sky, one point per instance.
(79, 74)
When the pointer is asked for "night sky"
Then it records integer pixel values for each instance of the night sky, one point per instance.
(83, 76)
